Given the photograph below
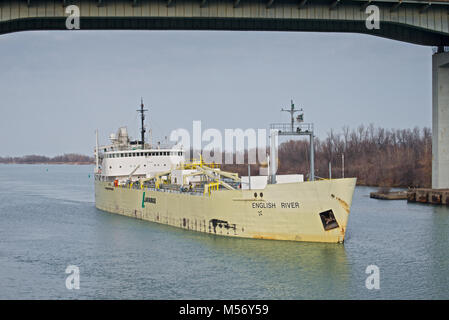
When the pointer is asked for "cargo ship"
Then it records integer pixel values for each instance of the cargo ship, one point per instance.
(157, 184)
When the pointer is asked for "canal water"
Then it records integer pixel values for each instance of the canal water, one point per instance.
(48, 221)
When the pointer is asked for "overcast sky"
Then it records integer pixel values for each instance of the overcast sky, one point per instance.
(57, 87)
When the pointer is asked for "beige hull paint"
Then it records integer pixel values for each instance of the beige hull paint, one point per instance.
(285, 212)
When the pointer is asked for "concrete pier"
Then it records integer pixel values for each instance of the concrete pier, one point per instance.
(440, 120)
(432, 196)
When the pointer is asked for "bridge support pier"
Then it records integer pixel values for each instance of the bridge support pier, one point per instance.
(440, 120)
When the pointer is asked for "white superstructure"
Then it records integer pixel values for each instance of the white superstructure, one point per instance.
(125, 159)
(140, 163)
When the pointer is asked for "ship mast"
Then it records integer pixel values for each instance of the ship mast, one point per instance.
(142, 118)
(292, 112)
(302, 129)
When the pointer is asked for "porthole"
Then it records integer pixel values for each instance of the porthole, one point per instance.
(255, 194)
(261, 194)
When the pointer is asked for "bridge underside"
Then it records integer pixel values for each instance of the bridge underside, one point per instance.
(391, 30)
(414, 21)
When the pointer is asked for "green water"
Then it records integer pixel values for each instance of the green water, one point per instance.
(48, 221)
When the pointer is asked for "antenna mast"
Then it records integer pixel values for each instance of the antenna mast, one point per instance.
(142, 117)
(281, 129)
(292, 112)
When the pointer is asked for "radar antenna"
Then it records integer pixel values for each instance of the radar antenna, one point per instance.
(142, 117)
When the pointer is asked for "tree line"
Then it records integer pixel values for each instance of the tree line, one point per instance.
(375, 156)
(35, 159)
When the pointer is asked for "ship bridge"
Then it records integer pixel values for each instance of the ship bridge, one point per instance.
(413, 21)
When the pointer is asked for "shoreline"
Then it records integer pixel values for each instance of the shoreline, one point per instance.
(47, 163)
(93, 163)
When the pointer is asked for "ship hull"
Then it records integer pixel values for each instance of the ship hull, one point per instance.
(314, 211)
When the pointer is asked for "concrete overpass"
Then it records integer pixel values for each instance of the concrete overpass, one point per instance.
(414, 21)
(420, 22)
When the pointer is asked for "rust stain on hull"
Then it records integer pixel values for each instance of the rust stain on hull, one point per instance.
(343, 204)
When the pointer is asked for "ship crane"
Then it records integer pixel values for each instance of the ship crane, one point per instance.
(132, 172)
